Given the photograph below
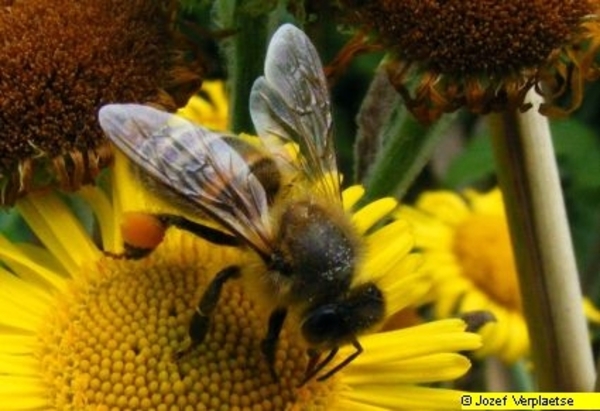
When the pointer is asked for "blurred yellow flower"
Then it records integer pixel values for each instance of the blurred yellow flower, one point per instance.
(467, 249)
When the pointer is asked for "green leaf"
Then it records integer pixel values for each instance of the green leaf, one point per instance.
(255, 8)
(576, 147)
(475, 163)
(578, 153)
(13, 226)
(195, 6)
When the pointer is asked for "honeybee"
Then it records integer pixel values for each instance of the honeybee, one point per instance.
(281, 199)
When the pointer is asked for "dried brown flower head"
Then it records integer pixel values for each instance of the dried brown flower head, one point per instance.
(484, 54)
(61, 60)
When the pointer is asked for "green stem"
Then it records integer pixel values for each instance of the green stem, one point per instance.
(244, 55)
(247, 58)
(407, 147)
(497, 377)
(550, 290)
(521, 377)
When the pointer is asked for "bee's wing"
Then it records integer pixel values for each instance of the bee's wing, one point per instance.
(196, 164)
(291, 103)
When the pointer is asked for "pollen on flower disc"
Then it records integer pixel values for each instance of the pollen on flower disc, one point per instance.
(111, 341)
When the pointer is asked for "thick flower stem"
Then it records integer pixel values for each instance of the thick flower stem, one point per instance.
(549, 282)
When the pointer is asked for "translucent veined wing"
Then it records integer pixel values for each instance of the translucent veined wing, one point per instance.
(195, 164)
(291, 103)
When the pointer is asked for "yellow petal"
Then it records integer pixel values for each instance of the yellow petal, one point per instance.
(372, 213)
(16, 343)
(59, 230)
(447, 206)
(23, 365)
(345, 404)
(22, 393)
(14, 293)
(104, 212)
(406, 292)
(518, 344)
(425, 369)
(591, 312)
(425, 339)
(43, 258)
(386, 247)
(486, 203)
(406, 397)
(27, 269)
(351, 195)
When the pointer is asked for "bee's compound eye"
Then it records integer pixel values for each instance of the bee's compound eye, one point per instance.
(324, 324)
(142, 231)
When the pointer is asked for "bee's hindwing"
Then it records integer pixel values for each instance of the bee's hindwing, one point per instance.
(291, 103)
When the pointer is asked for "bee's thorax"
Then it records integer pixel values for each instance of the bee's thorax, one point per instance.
(316, 252)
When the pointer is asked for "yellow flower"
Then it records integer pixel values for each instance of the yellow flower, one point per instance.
(60, 62)
(484, 54)
(467, 249)
(84, 331)
(210, 108)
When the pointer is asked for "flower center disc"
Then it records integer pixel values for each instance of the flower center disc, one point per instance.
(459, 37)
(110, 342)
(483, 246)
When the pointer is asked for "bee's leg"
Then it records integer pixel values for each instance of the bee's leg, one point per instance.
(200, 322)
(314, 357)
(268, 346)
(347, 360)
(143, 232)
(314, 366)
(210, 234)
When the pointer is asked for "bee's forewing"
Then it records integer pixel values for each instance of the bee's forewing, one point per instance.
(194, 163)
(291, 102)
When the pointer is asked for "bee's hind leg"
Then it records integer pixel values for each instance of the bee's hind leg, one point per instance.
(268, 346)
(143, 232)
(210, 234)
(200, 322)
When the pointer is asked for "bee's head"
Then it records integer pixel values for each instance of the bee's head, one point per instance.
(335, 323)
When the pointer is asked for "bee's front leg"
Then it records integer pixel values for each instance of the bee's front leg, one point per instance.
(268, 346)
(200, 322)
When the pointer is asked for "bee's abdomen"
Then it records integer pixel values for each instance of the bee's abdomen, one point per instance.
(262, 166)
(268, 174)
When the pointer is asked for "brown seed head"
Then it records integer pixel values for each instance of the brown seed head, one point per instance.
(482, 53)
(475, 37)
(61, 60)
